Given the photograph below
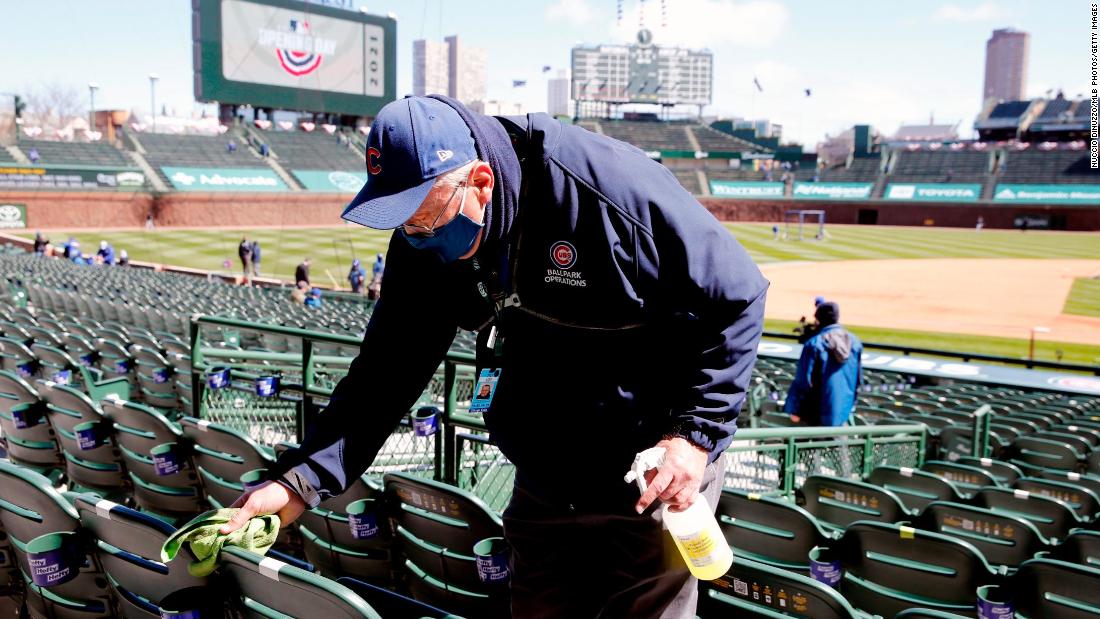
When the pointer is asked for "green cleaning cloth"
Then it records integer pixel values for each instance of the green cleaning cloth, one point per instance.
(202, 535)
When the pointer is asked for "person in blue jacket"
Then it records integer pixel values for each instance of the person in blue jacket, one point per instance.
(614, 312)
(828, 375)
(256, 257)
(357, 276)
(107, 253)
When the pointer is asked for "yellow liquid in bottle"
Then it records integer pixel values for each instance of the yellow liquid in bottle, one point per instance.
(702, 550)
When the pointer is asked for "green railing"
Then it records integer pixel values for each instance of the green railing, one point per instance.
(761, 460)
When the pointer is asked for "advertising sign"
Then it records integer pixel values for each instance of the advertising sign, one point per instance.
(43, 177)
(746, 189)
(224, 179)
(1047, 194)
(934, 192)
(331, 180)
(833, 191)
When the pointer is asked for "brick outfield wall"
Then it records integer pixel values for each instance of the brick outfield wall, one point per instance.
(104, 209)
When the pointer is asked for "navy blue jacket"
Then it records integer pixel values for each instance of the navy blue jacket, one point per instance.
(638, 318)
(826, 383)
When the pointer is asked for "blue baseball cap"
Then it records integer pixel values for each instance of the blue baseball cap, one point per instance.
(412, 141)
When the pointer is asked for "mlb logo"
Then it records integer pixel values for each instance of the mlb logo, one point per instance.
(563, 255)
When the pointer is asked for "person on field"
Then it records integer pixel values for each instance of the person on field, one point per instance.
(244, 252)
(301, 272)
(614, 314)
(357, 276)
(256, 257)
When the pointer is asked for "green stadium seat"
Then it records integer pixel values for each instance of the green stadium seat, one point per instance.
(1045, 588)
(1083, 500)
(30, 507)
(927, 613)
(127, 544)
(1052, 517)
(54, 361)
(1002, 538)
(1005, 473)
(965, 477)
(889, 568)
(1046, 452)
(436, 527)
(752, 589)
(222, 455)
(35, 446)
(838, 502)
(393, 605)
(265, 587)
(329, 544)
(916, 488)
(1080, 546)
(100, 468)
(141, 432)
(155, 378)
(769, 530)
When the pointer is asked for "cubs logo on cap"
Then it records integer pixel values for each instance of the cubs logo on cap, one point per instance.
(563, 255)
(412, 141)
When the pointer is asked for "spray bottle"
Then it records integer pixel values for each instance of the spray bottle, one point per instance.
(694, 530)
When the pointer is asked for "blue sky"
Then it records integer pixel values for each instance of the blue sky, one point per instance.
(875, 61)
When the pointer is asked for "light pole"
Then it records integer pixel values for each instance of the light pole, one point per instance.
(153, 77)
(92, 87)
(1031, 341)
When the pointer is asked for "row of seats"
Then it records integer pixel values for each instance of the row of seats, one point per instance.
(80, 153)
(115, 553)
(300, 150)
(166, 301)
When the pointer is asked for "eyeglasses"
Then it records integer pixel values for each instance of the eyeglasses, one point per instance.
(429, 231)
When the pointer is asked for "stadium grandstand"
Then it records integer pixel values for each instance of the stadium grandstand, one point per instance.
(80, 153)
(697, 153)
(229, 390)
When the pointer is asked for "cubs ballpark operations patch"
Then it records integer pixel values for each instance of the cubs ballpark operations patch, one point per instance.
(563, 257)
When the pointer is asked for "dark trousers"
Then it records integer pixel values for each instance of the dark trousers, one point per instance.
(572, 563)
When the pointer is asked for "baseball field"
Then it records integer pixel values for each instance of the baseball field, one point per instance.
(955, 289)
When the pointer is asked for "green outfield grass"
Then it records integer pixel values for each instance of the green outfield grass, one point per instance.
(1084, 297)
(980, 344)
(332, 248)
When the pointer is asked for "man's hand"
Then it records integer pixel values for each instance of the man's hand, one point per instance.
(270, 498)
(796, 419)
(676, 482)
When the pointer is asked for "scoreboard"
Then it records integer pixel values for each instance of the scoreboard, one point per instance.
(293, 55)
(642, 73)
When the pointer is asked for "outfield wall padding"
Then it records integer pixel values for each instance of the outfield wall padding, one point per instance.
(109, 209)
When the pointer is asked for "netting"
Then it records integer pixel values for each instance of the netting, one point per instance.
(484, 471)
(405, 452)
(757, 467)
(266, 420)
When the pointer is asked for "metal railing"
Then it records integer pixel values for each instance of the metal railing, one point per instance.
(1030, 364)
(762, 460)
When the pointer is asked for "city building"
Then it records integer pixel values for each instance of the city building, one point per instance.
(1006, 65)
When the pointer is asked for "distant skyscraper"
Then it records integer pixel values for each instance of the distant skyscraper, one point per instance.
(557, 94)
(449, 68)
(430, 73)
(1006, 65)
(466, 71)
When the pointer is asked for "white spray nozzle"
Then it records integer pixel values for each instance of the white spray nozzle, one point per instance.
(645, 460)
